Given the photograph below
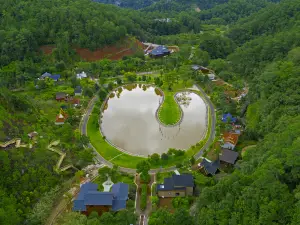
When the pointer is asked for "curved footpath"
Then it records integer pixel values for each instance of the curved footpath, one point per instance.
(99, 158)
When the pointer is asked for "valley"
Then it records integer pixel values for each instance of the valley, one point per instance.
(149, 112)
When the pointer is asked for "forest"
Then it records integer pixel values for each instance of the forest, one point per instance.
(257, 42)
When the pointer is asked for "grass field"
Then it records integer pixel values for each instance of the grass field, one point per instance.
(169, 112)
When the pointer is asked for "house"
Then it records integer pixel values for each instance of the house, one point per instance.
(55, 77)
(237, 129)
(228, 117)
(45, 75)
(75, 102)
(81, 75)
(195, 67)
(164, 20)
(77, 91)
(209, 167)
(160, 51)
(176, 186)
(60, 96)
(32, 135)
(228, 156)
(61, 117)
(201, 68)
(90, 199)
(230, 140)
(64, 107)
(211, 76)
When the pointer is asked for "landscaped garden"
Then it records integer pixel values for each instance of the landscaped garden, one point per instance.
(169, 112)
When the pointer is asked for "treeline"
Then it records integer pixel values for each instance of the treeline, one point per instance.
(161, 4)
(264, 188)
(233, 10)
(27, 25)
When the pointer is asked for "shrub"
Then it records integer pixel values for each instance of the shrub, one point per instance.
(164, 156)
(144, 197)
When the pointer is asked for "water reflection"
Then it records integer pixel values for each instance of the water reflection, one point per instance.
(129, 121)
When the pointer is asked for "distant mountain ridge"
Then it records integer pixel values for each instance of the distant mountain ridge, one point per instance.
(140, 4)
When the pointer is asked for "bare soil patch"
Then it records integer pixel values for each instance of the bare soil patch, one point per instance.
(117, 51)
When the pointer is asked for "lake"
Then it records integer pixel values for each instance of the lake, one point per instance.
(129, 121)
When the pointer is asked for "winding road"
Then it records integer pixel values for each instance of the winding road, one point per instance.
(99, 158)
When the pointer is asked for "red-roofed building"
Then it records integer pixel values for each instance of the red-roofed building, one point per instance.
(76, 101)
(230, 140)
(61, 117)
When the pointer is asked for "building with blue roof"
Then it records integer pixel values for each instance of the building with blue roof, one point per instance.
(55, 77)
(228, 117)
(77, 91)
(176, 186)
(45, 75)
(160, 51)
(90, 199)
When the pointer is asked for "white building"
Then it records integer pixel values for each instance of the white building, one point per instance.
(81, 75)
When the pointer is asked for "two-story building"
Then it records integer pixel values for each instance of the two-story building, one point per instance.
(90, 199)
(176, 186)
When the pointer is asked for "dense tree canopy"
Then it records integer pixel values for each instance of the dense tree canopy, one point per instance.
(253, 42)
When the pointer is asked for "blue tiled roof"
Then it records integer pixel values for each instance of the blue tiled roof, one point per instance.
(211, 167)
(79, 202)
(176, 182)
(98, 198)
(118, 205)
(226, 116)
(89, 195)
(44, 75)
(120, 191)
(78, 205)
(78, 89)
(55, 76)
(183, 180)
(160, 50)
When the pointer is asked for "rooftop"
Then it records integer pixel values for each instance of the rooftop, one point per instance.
(55, 77)
(210, 167)
(229, 117)
(78, 89)
(89, 195)
(44, 75)
(176, 182)
(231, 138)
(160, 50)
(60, 95)
(228, 156)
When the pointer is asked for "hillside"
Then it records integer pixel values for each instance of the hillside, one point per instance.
(249, 54)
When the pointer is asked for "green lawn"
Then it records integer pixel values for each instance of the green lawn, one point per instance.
(169, 112)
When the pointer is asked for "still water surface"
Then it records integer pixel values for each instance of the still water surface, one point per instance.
(129, 121)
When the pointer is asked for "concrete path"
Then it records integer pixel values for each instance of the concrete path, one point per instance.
(144, 215)
(213, 122)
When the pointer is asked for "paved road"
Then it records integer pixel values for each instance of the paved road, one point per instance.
(99, 158)
(213, 123)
